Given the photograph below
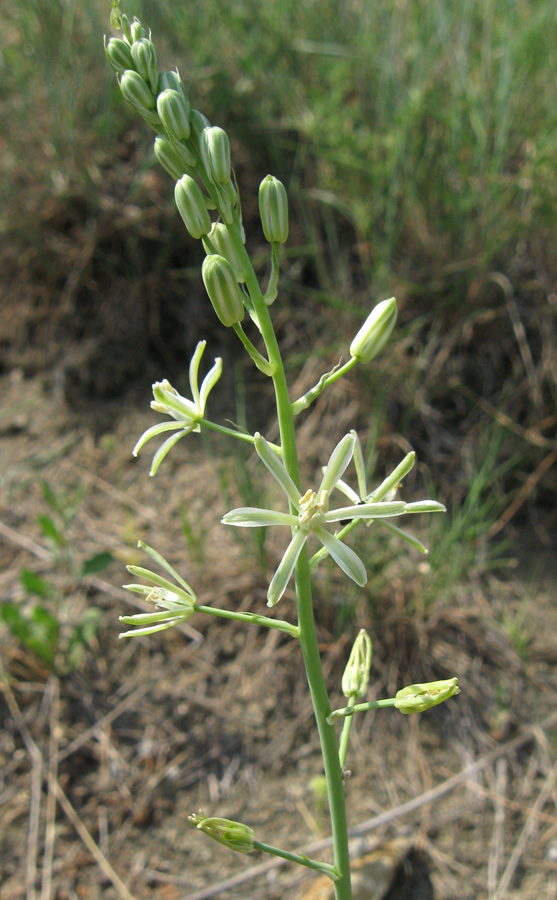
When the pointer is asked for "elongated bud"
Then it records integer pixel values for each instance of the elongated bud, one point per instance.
(146, 62)
(417, 698)
(355, 679)
(215, 153)
(233, 835)
(123, 25)
(375, 332)
(197, 123)
(191, 207)
(137, 30)
(137, 92)
(171, 158)
(221, 240)
(174, 113)
(223, 290)
(118, 55)
(273, 209)
(171, 80)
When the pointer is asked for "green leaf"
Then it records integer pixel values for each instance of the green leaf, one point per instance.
(50, 530)
(97, 563)
(36, 585)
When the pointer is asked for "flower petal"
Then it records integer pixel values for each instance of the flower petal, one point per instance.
(425, 506)
(347, 491)
(360, 467)
(252, 517)
(349, 562)
(277, 470)
(188, 596)
(287, 564)
(166, 447)
(367, 511)
(209, 382)
(164, 564)
(194, 372)
(153, 431)
(394, 478)
(338, 462)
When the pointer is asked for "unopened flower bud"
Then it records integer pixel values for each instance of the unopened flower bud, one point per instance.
(146, 62)
(221, 240)
(191, 206)
(197, 123)
(171, 80)
(174, 113)
(120, 20)
(223, 290)
(118, 55)
(375, 332)
(137, 30)
(273, 209)
(137, 92)
(355, 679)
(233, 835)
(177, 161)
(417, 698)
(215, 153)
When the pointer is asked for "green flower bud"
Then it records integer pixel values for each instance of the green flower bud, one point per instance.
(171, 158)
(174, 113)
(191, 206)
(355, 679)
(137, 30)
(221, 240)
(146, 62)
(417, 698)
(375, 332)
(123, 24)
(172, 81)
(223, 290)
(197, 123)
(136, 91)
(215, 153)
(233, 835)
(273, 209)
(118, 55)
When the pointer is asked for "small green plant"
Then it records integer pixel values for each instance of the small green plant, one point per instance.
(37, 620)
(197, 156)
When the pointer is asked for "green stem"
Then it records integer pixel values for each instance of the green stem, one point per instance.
(345, 735)
(306, 622)
(360, 707)
(329, 378)
(262, 364)
(240, 435)
(299, 858)
(251, 618)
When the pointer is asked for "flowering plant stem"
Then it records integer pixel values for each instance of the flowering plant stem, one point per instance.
(306, 622)
(197, 156)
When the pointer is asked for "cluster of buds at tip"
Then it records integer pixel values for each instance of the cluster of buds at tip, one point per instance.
(223, 289)
(273, 209)
(355, 679)
(375, 332)
(417, 698)
(233, 835)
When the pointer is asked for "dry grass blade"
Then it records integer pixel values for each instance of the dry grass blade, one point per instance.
(525, 834)
(36, 782)
(91, 845)
(50, 830)
(498, 844)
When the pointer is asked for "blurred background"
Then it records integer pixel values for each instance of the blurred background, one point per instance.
(417, 140)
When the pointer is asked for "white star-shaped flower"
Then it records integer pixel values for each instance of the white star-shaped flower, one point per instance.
(186, 413)
(312, 515)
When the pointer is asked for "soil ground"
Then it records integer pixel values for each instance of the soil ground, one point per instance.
(102, 765)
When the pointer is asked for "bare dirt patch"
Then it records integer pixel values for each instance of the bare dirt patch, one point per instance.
(101, 766)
